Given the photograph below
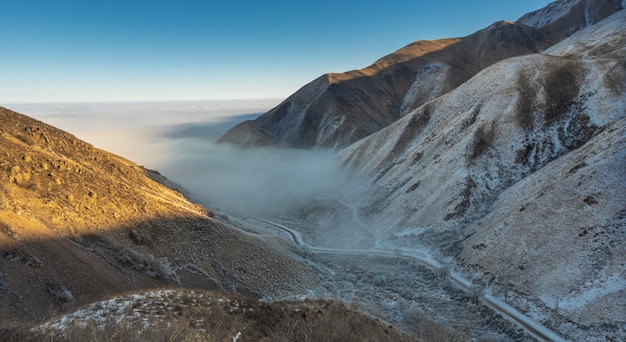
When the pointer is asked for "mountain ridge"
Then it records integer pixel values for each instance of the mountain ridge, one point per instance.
(347, 107)
(338, 109)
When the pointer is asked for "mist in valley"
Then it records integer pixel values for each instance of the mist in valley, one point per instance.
(253, 182)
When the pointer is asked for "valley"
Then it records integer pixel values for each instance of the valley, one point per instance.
(468, 188)
(440, 290)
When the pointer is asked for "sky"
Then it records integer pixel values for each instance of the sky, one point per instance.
(155, 50)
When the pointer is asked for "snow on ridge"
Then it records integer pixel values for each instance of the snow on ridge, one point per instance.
(139, 306)
(548, 14)
(429, 84)
(608, 32)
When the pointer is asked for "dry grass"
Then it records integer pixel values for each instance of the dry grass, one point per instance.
(561, 87)
(483, 140)
(527, 96)
(209, 316)
(615, 79)
(426, 329)
(415, 126)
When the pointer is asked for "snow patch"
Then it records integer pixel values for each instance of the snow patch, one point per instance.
(146, 306)
(600, 287)
(429, 84)
(548, 14)
(411, 232)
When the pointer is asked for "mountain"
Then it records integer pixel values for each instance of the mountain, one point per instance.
(507, 164)
(501, 155)
(79, 224)
(336, 110)
(567, 17)
(96, 247)
(517, 176)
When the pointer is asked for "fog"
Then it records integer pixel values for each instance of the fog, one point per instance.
(177, 139)
(263, 182)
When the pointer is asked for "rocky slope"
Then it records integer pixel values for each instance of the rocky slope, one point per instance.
(336, 110)
(78, 224)
(517, 177)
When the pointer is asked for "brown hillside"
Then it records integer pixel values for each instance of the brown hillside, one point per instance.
(212, 316)
(78, 224)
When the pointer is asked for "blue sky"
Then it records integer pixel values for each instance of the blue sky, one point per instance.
(149, 50)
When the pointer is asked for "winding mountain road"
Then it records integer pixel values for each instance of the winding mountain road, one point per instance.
(528, 324)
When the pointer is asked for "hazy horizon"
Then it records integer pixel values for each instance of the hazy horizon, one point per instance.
(135, 130)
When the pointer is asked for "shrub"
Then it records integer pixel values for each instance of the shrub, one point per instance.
(59, 292)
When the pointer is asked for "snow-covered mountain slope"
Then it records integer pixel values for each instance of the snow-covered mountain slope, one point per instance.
(499, 127)
(558, 236)
(518, 175)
